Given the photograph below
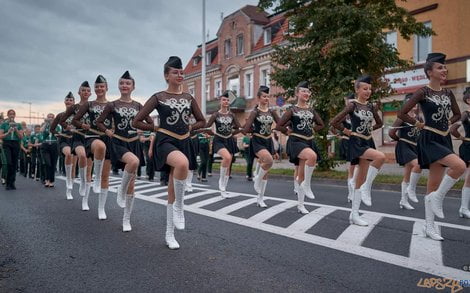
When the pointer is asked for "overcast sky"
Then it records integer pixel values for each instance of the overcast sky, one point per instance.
(48, 47)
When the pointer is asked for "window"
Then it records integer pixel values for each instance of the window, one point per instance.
(267, 36)
(264, 77)
(240, 45)
(195, 61)
(391, 39)
(208, 58)
(228, 49)
(207, 90)
(249, 85)
(218, 87)
(422, 46)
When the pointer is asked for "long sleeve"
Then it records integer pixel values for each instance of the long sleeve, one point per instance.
(100, 121)
(378, 121)
(211, 120)
(81, 111)
(249, 122)
(200, 120)
(148, 107)
(147, 119)
(393, 131)
(454, 129)
(455, 108)
(417, 97)
(286, 117)
(319, 124)
(69, 112)
(236, 125)
(55, 122)
(336, 122)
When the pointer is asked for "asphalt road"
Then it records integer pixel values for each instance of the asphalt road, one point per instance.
(47, 244)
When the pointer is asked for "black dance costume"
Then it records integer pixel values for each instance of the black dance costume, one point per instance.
(93, 111)
(226, 125)
(121, 114)
(304, 122)
(361, 139)
(405, 150)
(78, 137)
(434, 141)
(260, 123)
(173, 132)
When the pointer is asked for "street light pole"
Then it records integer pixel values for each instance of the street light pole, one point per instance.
(30, 103)
(203, 60)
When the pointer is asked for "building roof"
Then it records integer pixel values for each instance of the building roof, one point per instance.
(256, 14)
(210, 46)
(279, 27)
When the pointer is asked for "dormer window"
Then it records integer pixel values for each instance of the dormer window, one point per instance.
(267, 36)
(195, 60)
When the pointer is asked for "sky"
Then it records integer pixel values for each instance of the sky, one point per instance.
(49, 47)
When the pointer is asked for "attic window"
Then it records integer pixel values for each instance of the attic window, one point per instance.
(234, 25)
(195, 60)
(267, 36)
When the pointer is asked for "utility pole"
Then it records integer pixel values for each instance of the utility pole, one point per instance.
(203, 60)
(30, 103)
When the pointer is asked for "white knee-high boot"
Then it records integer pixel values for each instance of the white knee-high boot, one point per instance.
(126, 218)
(404, 204)
(82, 188)
(178, 205)
(296, 185)
(68, 175)
(257, 167)
(366, 187)
(223, 174)
(300, 205)
(463, 211)
(257, 181)
(102, 203)
(260, 202)
(429, 227)
(354, 217)
(123, 187)
(308, 170)
(97, 170)
(189, 180)
(411, 190)
(170, 229)
(352, 185)
(85, 206)
(437, 197)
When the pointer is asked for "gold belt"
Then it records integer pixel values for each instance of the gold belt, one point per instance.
(361, 135)
(437, 131)
(466, 138)
(126, 139)
(302, 136)
(172, 134)
(409, 141)
(223, 136)
(262, 136)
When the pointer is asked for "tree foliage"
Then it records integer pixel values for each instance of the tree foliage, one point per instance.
(331, 42)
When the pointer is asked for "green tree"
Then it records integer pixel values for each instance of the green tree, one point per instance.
(331, 42)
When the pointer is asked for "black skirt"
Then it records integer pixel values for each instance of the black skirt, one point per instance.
(464, 152)
(165, 144)
(118, 148)
(64, 142)
(77, 140)
(357, 147)
(344, 149)
(295, 145)
(225, 143)
(257, 143)
(432, 147)
(104, 138)
(405, 152)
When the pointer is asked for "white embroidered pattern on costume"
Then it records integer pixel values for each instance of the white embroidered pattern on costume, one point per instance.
(127, 114)
(180, 109)
(306, 120)
(98, 109)
(443, 104)
(225, 124)
(414, 132)
(265, 123)
(365, 126)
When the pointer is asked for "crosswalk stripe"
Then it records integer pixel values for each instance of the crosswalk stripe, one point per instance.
(206, 202)
(423, 248)
(236, 206)
(193, 195)
(271, 211)
(154, 189)
(307, 221)
(142, 186)
(355, 235)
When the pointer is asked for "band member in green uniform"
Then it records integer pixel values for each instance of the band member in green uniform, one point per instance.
(11, 133)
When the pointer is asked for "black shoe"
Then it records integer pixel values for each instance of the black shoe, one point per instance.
(203, 180)
(8, 187)
(13, 187)
(249, 178)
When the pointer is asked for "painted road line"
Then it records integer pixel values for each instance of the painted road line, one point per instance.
(355, 235)
(271, 211)
(423, 248)
(236, 206)
(310, 219)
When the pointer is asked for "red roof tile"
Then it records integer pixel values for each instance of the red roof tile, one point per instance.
(190, 68)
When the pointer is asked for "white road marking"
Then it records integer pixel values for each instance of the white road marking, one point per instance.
(270, 212)
(355, 235)
(307, 221)
(237, 206)
(423, 248)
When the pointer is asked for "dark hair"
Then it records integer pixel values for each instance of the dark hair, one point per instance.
(466, 95)
(8, 112)
(428, 66)
(259, 93)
